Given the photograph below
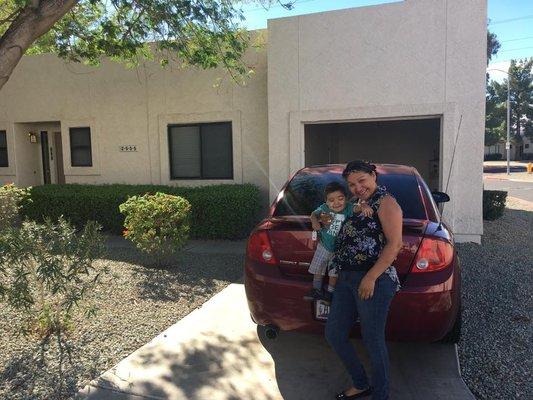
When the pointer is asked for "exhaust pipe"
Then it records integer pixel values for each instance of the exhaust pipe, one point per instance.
(271, 332)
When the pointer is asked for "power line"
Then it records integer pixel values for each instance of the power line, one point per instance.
(515, 40)
(502, 21)
(521, 48)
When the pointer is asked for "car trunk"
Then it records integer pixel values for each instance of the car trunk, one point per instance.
(293, 245)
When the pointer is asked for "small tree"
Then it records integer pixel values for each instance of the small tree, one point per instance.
(11, 198)
(158, 224)
(46, 271)
(521, 98)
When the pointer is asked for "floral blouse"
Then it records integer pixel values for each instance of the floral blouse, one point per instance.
(361, 239)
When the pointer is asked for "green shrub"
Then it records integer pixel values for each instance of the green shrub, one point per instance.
(218, 211)
(158, 224)
(11, 199)
(493, 204)
(493, 157)
(46, 272)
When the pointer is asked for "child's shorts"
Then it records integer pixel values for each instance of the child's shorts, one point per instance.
(321, 260)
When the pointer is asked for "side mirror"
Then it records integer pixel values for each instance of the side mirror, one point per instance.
(440, 197)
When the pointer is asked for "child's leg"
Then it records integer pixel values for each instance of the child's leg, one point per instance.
(332, 278)
(317, 281)
(318, 269)
(319, 265)
(332, 281)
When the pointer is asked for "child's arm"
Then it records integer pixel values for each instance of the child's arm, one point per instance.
(315, 223)
(363, 208)
(366, 210)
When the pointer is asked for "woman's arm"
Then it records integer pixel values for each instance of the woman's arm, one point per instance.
(390, 216)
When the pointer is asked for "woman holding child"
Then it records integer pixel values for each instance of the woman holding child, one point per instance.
(365, 249)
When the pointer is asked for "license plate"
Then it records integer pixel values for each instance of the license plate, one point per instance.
(321, 310)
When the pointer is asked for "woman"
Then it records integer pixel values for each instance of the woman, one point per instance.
(365, 250)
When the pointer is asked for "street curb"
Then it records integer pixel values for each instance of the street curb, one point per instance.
(498, 178)
(521, 201)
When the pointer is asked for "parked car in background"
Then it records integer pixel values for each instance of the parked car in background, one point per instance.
(280, 249)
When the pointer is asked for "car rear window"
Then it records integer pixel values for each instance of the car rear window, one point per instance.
(305, 192)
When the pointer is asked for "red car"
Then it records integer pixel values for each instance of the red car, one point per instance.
(280, 249)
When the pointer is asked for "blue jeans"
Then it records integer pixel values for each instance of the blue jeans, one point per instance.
(346, 307)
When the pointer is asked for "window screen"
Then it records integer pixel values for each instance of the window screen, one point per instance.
(217, 160)
(201, 151)
(185, 157)
(80, 147)
(3, 149)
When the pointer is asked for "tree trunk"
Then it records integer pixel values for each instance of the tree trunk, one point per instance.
(34, 20)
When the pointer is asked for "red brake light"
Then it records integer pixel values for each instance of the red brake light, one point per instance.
(433, 255)
(259, 248)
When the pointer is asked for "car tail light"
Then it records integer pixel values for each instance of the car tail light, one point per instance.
(259, 248)
(433, 255)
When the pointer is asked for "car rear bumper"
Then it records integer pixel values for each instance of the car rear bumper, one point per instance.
(423, 313)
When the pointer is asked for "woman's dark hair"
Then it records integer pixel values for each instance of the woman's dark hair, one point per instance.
(359, 165)
(334, 187)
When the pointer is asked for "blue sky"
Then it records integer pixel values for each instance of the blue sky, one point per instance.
(510, 20)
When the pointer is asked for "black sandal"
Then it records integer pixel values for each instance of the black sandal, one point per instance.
(344, 396)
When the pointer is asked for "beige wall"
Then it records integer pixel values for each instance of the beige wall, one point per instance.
(416, 58)
(132, 107)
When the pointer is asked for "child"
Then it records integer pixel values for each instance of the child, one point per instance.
(331, 214)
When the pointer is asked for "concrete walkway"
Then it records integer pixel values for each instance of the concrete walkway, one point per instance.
(217, 353)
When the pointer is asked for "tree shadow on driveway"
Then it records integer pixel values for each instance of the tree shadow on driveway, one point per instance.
(212, 367)
(184, 276)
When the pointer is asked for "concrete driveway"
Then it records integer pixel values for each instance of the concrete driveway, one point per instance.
(216, 352)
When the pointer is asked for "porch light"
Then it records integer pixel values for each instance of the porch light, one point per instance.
(33, 137)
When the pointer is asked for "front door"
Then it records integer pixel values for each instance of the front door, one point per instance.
(45, 152)
(59, 158)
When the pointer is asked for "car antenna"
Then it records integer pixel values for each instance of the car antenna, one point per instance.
(451, 168)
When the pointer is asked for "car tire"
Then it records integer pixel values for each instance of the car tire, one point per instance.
(454, 334)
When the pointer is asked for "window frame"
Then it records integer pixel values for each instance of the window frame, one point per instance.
(4, 132)
(70, 131)
(199, 125)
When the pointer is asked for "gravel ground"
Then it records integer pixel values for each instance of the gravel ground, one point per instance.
(135, 304)
(495, 350)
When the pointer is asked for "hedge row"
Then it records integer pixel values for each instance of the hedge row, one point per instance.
(219, 211)
(493, 157)
(493, 204)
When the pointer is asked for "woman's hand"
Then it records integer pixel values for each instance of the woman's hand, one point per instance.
(366, 287)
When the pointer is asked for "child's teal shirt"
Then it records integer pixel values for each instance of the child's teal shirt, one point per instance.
(328, 234)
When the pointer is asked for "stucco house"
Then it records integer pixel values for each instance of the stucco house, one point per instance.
(521, 151)
(397, 83)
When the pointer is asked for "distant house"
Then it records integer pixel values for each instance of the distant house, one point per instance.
(522, 151)
(396, 83)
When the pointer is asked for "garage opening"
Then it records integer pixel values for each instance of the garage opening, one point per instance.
(414, 142)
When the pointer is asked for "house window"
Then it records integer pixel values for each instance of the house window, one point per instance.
(201, 151)
(526, 145)
(80, 147)
(3, 149)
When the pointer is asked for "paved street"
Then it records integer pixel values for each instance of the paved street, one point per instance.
(519, 189)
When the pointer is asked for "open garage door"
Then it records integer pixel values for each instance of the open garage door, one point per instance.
(414, 142)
